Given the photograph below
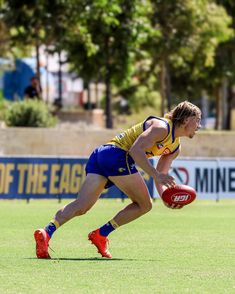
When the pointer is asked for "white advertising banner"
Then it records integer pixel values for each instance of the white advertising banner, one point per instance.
(211, 178)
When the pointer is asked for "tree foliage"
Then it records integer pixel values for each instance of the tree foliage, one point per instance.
(190, 32)
(136, 48)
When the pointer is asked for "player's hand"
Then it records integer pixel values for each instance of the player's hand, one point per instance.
(173, 206)
(165, 180)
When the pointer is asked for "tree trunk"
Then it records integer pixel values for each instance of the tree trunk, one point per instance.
(163, 87)
(108, 111)
(168, 87)
(229, 105)
(218, 120)
(108, 108)
(224, 106)
(38, 63)
(87, 87)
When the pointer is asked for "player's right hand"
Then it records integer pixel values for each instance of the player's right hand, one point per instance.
(173, 206)
(165, 180)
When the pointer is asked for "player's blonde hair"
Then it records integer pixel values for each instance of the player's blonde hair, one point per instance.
(182, 111)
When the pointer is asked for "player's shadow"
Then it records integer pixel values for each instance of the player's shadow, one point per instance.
(86, 259)
(80, 259)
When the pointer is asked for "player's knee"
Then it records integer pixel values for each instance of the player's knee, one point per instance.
(81, 211)
(149, 206)
(146, 207)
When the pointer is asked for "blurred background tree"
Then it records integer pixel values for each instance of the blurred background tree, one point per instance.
(138, 49)
(104, 47)
(190, 32)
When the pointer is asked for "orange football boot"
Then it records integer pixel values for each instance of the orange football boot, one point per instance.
(100, 242)
(42, 242)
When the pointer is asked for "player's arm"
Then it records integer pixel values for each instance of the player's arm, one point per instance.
(163, 166)
(156, 132)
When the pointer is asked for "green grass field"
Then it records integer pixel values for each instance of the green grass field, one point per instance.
(166, 251)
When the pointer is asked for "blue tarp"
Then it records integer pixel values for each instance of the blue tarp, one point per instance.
(15, 82)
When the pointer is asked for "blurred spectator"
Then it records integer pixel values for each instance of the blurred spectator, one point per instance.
(34, 90)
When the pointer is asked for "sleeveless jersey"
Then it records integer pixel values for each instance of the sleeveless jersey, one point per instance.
(168, 145)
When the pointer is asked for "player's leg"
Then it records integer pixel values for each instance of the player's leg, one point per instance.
(88, 195)
(119, 167)
(134, 186)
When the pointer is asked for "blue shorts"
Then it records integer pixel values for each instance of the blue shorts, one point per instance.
(110, 160)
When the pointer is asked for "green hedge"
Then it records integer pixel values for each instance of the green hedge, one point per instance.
(29, 113)
(4, 104)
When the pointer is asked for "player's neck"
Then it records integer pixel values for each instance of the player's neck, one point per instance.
(180, 131)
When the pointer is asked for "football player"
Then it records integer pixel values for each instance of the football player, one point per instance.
(114, 163)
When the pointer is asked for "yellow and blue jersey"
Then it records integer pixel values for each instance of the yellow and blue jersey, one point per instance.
(168, 145)
(113, 158)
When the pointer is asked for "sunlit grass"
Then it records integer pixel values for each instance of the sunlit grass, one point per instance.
(166, 251)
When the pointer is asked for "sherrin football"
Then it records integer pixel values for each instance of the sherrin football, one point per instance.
(179, 195)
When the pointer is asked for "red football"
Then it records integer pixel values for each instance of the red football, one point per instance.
(179, 195)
